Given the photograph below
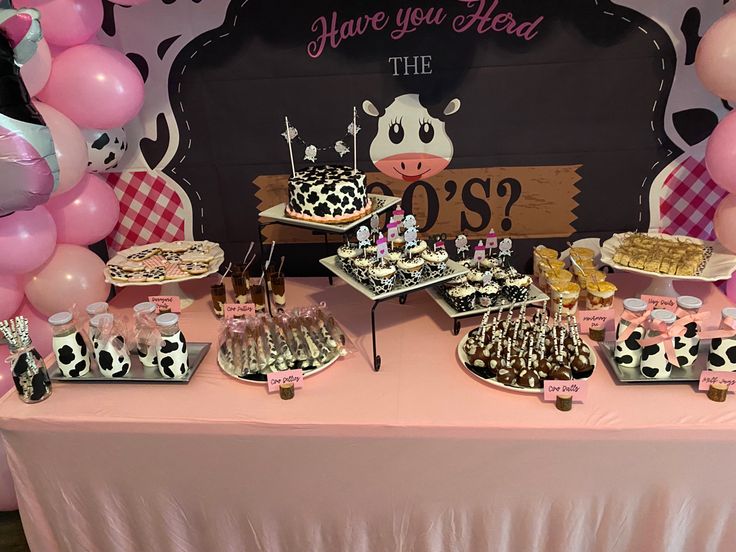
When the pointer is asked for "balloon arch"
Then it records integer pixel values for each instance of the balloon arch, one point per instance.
(59, 95)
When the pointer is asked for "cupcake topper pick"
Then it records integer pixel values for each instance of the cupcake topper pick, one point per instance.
(363, 236)
(398, 214)
(381, 246)
(461, 245)
(487, 278)
(392, 231)
(505, 250)
(410, 221)
(479, 252)
(410, 237)
(491, 240)
(375, 223)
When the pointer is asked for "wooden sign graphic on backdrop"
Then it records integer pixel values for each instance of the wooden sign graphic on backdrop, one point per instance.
(531, 202)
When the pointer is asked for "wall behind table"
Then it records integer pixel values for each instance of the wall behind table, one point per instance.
(590, 116)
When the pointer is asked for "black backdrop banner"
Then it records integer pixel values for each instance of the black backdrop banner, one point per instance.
(547, 117)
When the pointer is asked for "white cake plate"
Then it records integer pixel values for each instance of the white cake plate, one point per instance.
(720, 266)
(168, 287)
(379, 204)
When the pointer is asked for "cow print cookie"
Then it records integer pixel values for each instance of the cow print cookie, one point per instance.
(176, 247)
(157, 274)
(196, 257)
(118, 274)
(144, 254)
(195, 268)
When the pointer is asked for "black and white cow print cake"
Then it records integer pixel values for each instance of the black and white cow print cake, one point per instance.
(328, 194)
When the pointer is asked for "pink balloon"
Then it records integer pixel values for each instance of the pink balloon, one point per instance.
(11, 295)
(715, 59)
(70, 147)
(72, 276)
(129, 2)
(720, 153)
(731, 288)
(95, 86)
(66, 22)
(36, 71)
(27, 240)
(87, 213)
(724, 222)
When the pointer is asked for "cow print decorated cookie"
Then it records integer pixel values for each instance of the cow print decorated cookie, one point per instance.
(118, 274)
(195, 268)
(144, 254)
(171, 256)
(157, 274)
(196, 257)
(176, 247)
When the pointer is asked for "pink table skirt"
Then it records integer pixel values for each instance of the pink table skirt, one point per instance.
(419, 456)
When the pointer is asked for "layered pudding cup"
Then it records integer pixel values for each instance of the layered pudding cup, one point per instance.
(556, 277)
(600, 295)
(542, 254)
(569, 294)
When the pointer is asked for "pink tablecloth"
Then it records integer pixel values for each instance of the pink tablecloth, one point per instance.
(419, 456)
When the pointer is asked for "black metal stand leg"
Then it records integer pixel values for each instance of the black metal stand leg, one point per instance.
(402, 298)
(376, 357)
(327, 254)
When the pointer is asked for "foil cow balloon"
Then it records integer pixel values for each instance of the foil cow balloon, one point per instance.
(411, 144)
(28, 165)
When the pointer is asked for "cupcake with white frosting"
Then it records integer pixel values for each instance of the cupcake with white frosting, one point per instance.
(411, 270)
(346, 254)
(516, 289)
(382, 277)
(417, 249)
(487, 294)
(461, 298)
(435, 262)
(361, 266)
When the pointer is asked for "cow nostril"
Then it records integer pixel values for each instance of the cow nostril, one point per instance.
(403, 167)
(419, 166)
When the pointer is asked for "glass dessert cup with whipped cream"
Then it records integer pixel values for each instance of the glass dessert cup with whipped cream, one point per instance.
(600, 295)
(568, 294)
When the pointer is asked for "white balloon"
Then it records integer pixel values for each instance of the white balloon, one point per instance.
(106, 148)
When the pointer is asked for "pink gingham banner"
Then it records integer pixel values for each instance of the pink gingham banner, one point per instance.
(689, 200)
(150, 211)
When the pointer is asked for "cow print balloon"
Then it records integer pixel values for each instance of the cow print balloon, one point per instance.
(105, 148)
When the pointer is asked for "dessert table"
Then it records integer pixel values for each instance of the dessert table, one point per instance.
(418, 457)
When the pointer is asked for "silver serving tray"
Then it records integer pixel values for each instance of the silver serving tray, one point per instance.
(138, 373)
(455, 269)
(536, 295)
(633, 375)
(380, 203)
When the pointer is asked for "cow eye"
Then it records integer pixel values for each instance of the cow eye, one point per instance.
(426, 132)
(396, 132)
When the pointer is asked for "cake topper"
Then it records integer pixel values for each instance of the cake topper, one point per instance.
(363, 235)
(392, 231)
(397, 214)
(290, 133)
(461, 244)
(310, 153)
(479, 252)
(341, 148)
(381, 246)
(487, 278)
(410, 221)
(439, 244)
(491, 240)
(411, 237)
(375, 223)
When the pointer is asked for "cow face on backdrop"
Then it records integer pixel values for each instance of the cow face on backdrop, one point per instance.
(410, 143)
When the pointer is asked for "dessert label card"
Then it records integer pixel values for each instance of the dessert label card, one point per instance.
(661, 302)
(577, 388)
(287, 376)
(605, 318)
(166, 303)
(709, 377)
(239, 310)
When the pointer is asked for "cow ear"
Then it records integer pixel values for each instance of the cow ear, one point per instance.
(370, 109)
(452, 107)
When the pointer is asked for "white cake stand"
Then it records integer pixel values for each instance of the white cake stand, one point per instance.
(168, 287)
(720, 266)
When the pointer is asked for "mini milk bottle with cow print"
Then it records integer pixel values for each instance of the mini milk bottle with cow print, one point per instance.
(145, 330)
(722, 355)
(173, 360)
(70, 348)
(686, 346)
(654, 361)
(629, 333)
(108, 346)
